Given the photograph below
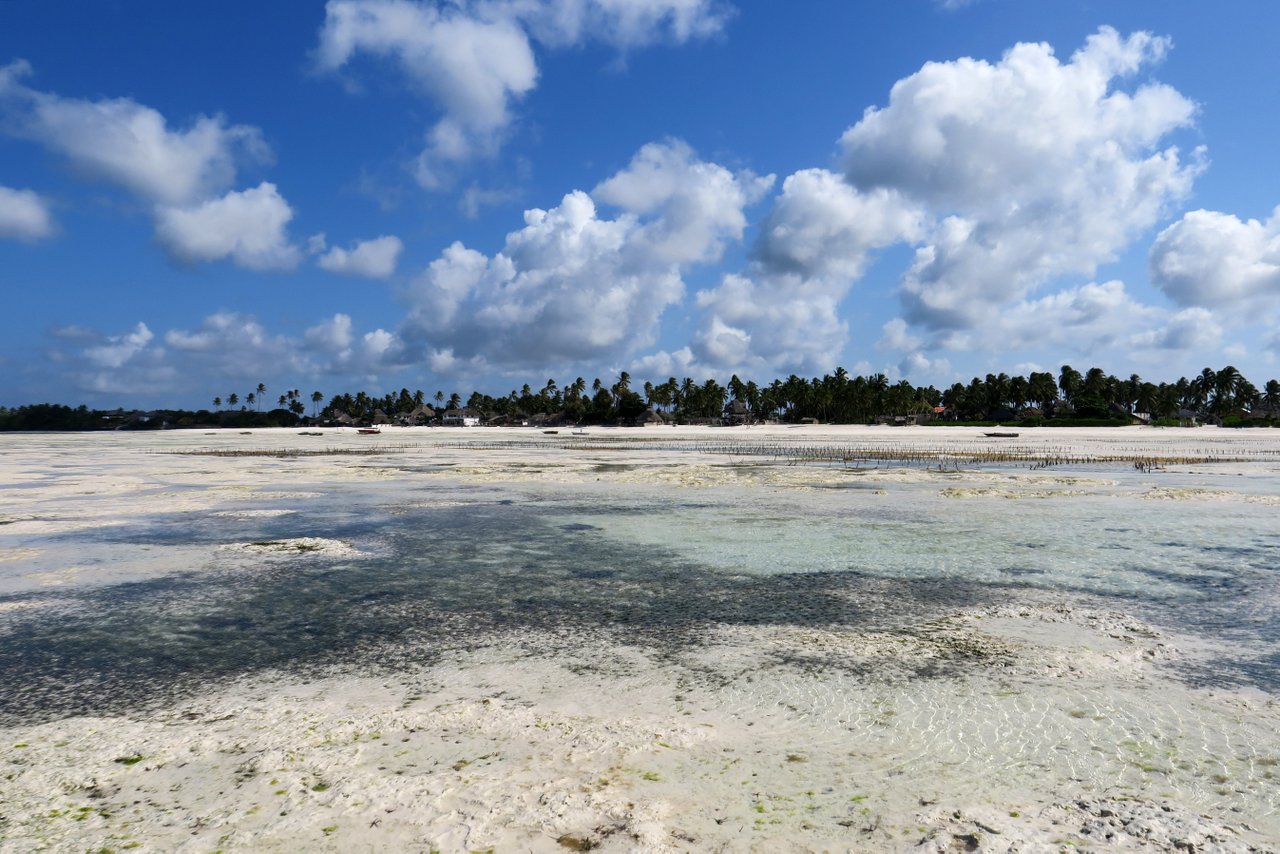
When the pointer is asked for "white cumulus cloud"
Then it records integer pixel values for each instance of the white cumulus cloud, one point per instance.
(374, 259)
(822, 226)
(24, 215)
(1218, 261)
(470, 63)
(247, 227)
(126, 363)
(330, 336)
(782, 313)
(1082, 318)
(700, 205)
(128, 144)
(1192, 330)
(476, 59)
(770, 322)
(573, 286)
(623, 24)
(118, 349)
(895, 337)
(560, 291)
(1032, 167)
(185, 173)
(235, 347)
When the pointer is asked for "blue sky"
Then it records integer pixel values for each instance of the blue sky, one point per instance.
(369, 194)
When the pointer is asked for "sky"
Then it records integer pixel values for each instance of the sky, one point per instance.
(460, 195)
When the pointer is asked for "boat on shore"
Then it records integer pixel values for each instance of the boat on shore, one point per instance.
(1001, 435)
(368, 430)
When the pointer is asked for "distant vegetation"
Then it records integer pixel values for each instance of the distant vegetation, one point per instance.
(1071, 399)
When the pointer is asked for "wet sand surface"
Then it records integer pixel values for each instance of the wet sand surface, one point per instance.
(663, 639)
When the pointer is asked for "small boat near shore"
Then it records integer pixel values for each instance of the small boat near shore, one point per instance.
(1001, 435)
(551, 432)
(368, 430)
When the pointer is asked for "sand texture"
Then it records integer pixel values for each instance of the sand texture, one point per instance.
(661, 640)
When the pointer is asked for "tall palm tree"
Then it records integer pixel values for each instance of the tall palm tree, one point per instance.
(1042, 389)
(1247, 394)
(1148, 398)
(1069, 380)
(1226, 386)
(1271, 395)
(1169, 399)
(1019, 392)
(316, 397)
(217, 401)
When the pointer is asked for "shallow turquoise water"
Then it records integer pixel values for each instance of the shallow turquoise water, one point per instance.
(636, 563)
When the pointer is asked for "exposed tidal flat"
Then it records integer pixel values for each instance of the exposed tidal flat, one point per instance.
(661, 639)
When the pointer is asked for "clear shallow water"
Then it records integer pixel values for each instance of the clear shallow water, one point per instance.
(633, 563)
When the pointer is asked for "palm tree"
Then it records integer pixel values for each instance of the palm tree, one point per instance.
(233, 399)
(217, 401)
(1147, 399)
(1169, 399)
(316, 397)
(1226, 386)
(251, 399)
(1271, 395)
(737, 388)
(1247, 395)
(1069, 380)
(1019, 392)
(262, 389)
(685, 400)
(1203, 386)
(1042, 389)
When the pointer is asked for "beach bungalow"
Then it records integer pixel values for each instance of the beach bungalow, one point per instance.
(737, 413)
(420, 414)
(651, 418)
(460, 418)
(1192, 418)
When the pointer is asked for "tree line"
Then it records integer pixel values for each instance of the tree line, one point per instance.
(839, 397)
(836, 397)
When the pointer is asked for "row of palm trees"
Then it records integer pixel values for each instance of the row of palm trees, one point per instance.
(837, 397)
(290, 400)
(1096, 393)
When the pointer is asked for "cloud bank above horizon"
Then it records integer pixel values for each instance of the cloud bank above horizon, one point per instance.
(985, 196)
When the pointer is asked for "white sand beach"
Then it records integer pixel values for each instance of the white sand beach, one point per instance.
(660, 639)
